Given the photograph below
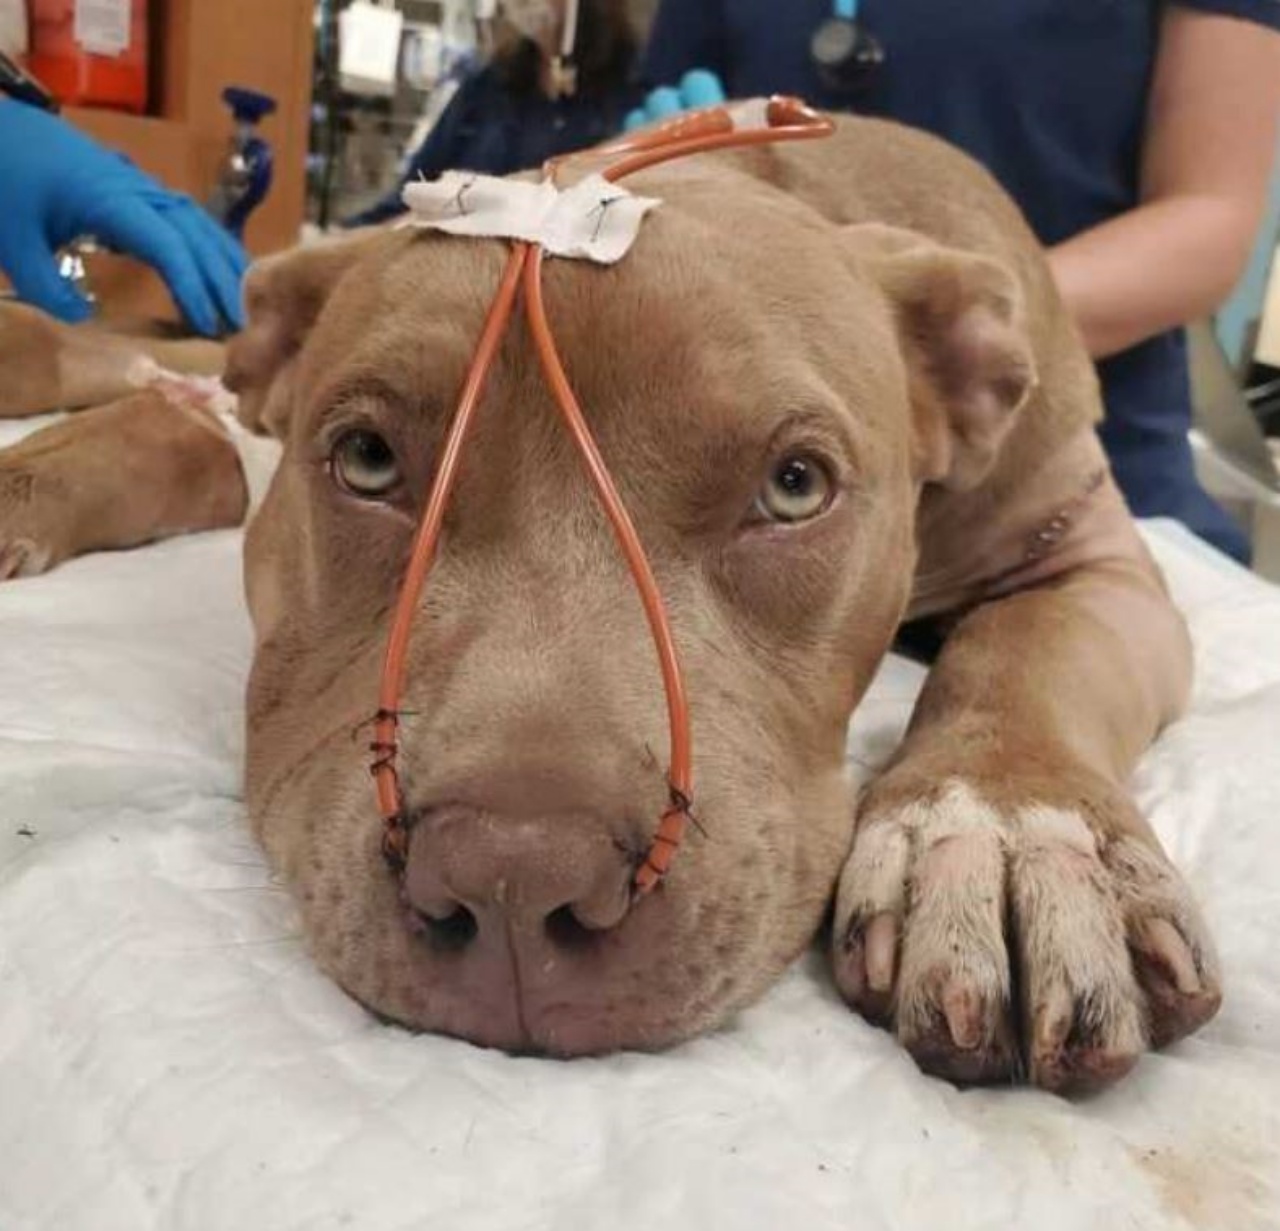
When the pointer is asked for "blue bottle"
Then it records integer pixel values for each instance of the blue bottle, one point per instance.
(246, 172)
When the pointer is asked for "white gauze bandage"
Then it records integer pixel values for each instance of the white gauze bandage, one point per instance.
(258, 455)
(593, 220)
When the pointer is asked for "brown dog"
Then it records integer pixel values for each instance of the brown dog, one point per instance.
(823, 425)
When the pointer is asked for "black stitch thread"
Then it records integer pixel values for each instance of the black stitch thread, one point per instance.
(458, 202)
(683, 804)
(380, 715)
(601, 209)
(384, 756)
(393, 834)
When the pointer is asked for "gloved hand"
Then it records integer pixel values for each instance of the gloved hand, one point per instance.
(57, 184)
(697, 88)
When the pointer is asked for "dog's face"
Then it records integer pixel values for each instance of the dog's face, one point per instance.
(770, 394)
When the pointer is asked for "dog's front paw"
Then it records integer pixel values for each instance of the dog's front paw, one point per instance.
(1019, 940)
(33, 513)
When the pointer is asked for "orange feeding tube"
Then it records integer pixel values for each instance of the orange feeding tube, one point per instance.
(701, 131)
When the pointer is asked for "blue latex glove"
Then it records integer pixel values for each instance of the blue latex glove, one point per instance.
(57, 184)
(697, 88)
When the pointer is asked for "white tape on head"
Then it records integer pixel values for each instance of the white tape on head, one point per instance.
(750, 114)
(593, 220)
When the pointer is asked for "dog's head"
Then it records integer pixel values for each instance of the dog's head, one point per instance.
(772, 394)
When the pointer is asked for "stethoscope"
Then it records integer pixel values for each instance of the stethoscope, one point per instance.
(845, 54)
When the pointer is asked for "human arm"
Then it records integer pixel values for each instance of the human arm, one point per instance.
(1210, 144)
(59, 184)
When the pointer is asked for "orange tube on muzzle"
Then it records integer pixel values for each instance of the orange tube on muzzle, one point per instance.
(786, 119)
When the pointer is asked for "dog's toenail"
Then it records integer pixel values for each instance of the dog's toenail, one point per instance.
(963, 1011)
(882, 944)
(1165, 944)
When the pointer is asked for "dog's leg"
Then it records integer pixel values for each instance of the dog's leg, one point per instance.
(46, 365)
(1005, 908)
(148, 467)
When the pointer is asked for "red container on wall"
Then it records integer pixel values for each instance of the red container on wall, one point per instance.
(91, 53)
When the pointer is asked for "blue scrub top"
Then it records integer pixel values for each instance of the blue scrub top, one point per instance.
(1050, 95)
(488, 129)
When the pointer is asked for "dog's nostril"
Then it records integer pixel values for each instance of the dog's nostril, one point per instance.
(453, 932)
(565, 929)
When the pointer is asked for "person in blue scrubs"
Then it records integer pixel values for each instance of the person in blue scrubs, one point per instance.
(508, 114)
(1137, 136)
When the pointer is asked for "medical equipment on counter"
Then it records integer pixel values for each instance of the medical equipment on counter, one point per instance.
(361, 140)
(844, 52)
(754, 123)
(91, 54)
(369, 48)
(246, 172)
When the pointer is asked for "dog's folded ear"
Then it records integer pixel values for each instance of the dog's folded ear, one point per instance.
(283, 296)
(962, 325)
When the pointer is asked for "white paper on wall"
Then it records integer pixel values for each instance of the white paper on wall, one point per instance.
(13, 27)
(369, 47)
(102, 26)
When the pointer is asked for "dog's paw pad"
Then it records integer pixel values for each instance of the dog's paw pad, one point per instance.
(922, 897)
(864, 965)
(959, 1028)
(997, 944)
(36, 515)
(22, 558)
(1082, 1006)
(1172, 951)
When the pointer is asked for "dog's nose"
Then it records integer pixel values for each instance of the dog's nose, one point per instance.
(478, 876)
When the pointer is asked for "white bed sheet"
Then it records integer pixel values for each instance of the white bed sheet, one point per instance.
(170, 1058)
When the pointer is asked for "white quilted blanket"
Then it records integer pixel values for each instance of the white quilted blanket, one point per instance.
(170, 1059)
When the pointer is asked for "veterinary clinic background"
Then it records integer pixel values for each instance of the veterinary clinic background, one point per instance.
(1138, 138)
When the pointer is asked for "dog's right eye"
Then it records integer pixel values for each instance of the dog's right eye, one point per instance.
(364, 464)
(797, 489)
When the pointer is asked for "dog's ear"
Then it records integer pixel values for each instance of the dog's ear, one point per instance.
(962, 325)
(283, 297)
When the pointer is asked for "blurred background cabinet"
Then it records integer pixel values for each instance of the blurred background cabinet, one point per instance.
(198, 47)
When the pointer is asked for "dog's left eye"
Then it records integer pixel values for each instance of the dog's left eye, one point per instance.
(364, 464)
(798, 488)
